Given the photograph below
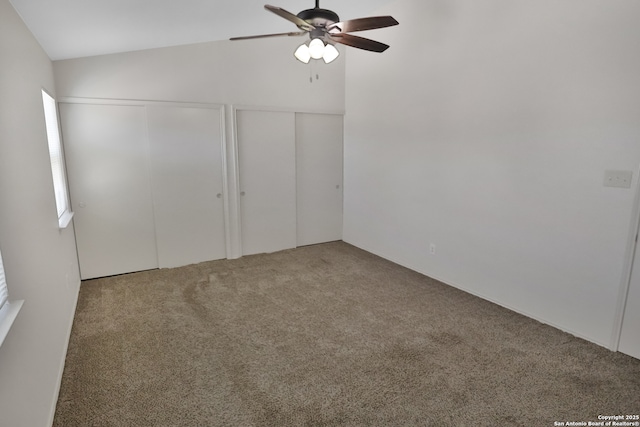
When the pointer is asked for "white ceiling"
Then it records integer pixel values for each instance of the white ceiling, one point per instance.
(76, 28)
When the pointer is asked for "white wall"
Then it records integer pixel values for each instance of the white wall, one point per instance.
(40, 261)
(259, 72)
(486, 129)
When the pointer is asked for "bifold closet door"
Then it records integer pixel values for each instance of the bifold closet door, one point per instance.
(319, 159)
(267, 172)
(106, 150)
(187, 177)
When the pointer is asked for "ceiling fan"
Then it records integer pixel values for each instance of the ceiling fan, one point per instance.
(325, 29)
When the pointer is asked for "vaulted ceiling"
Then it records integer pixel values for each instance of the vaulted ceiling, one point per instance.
(77, 28)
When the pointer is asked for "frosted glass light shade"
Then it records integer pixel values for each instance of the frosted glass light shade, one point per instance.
(316, 48)
(302, 53)
(330, 53)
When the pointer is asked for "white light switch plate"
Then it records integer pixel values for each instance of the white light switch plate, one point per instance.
(620, 179)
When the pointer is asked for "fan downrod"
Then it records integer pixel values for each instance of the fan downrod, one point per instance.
(318, 16)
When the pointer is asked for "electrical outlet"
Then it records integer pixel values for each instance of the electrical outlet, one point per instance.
(621, 179)
(432, 248)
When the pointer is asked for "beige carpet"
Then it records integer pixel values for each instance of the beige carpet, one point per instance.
(325, 335)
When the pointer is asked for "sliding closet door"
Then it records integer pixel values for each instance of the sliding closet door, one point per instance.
(319, 158)
(108, 168)
(267, 172)
(186, 164)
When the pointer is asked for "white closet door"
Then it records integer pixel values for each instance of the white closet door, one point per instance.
(267, 172)
(319, 162)
(186, 164)
(630, 336)
(106, 149)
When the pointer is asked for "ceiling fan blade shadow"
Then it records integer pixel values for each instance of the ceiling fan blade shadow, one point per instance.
(262, 36)
(362, 24)
(301, 23)
(359, 42)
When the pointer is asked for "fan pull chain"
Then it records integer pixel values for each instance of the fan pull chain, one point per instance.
(311, 71)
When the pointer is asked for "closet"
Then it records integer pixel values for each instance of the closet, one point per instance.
(319, 158)
(149, 182)
(146, 185)
(110, 189)
(267, 180)
(187, 181)
(290, 179)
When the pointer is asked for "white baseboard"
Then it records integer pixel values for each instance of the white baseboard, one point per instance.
(52, 412)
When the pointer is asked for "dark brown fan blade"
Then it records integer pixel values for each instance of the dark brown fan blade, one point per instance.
(359, 42)
(301, 23)
(300, 33)
(363, 24)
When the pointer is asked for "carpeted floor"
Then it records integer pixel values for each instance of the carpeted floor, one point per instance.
(325, 335)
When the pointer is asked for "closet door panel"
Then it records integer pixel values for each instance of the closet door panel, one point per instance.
(267, 172)
(106, 149)
(319, 160)
(187, 177)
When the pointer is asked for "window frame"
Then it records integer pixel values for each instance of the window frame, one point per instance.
(56, 159)
(8, 309)
(4, 292)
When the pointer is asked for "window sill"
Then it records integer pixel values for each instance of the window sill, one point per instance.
(65, 219)
(8, 314)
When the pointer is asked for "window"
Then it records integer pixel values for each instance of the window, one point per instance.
(3, 285)
(8, 310)
(57, 160)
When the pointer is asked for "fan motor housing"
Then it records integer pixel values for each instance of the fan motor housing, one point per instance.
(319, 17)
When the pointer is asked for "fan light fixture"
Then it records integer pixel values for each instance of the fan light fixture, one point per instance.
(325, 29)
(302, 53)
(316, 49)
